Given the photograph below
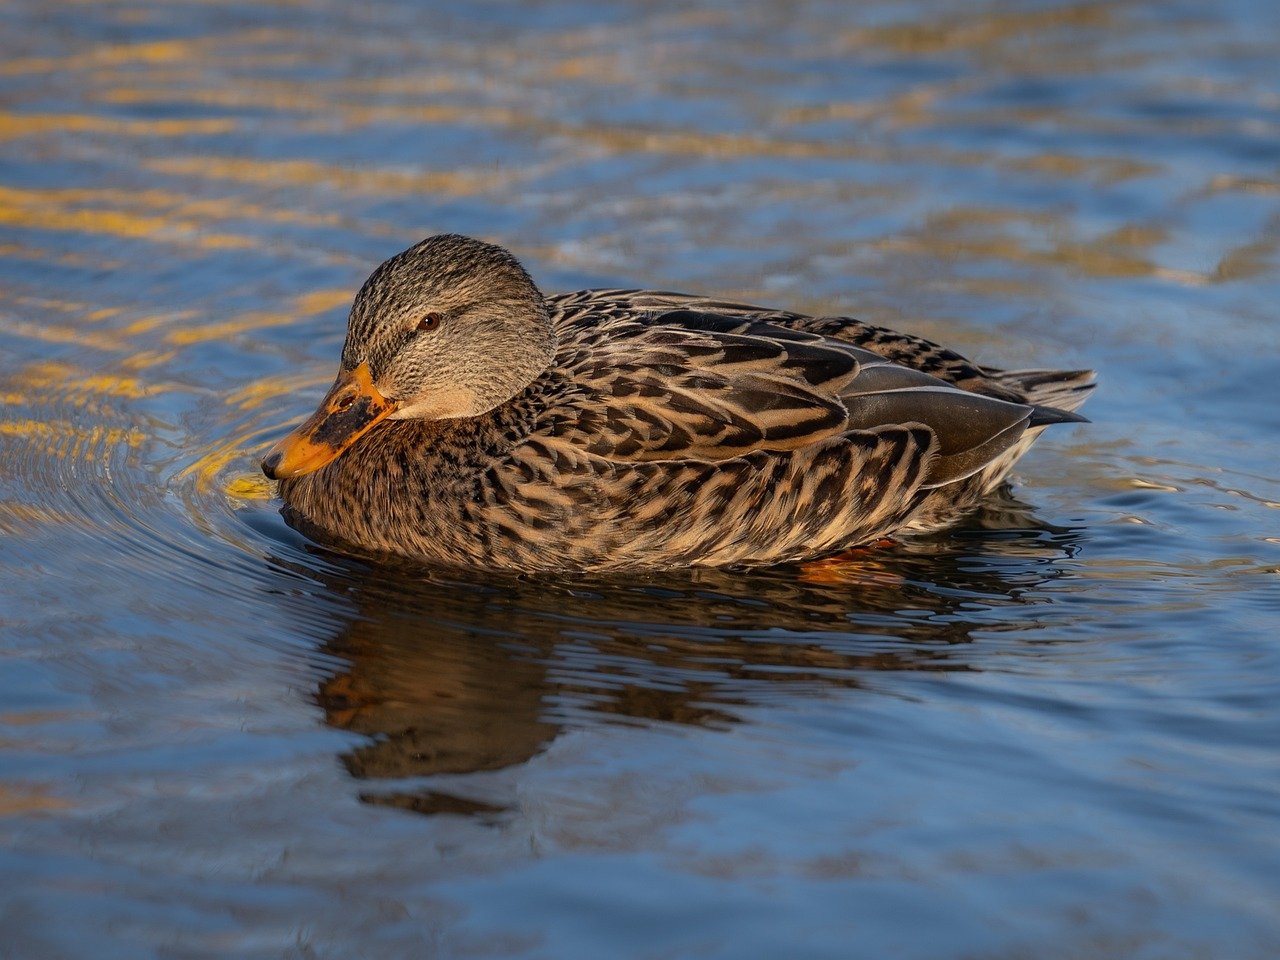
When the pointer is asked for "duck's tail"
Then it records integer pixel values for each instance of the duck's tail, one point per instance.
(1056, 389)
(1055, 394)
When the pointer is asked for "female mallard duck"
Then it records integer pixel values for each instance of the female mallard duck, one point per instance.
(474, 422)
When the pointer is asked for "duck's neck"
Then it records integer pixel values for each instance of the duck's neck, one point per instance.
(508, 372)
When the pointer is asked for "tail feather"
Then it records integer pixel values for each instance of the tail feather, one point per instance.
(1055, 395)
(1062, 390)
(1044, 416)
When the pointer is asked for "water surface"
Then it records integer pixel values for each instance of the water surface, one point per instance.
(1050, 733)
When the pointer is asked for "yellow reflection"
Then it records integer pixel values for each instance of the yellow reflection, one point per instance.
(212, 462)
(1247, 260)
(18, 799)
(17, 517)
(19, 251)
(307, 172)
(176, 206)
(309, 304)
(1104, 169)
(977, 30)
(21, 125)
(67, 378)
(1036, 239)
(48, 333)
(258, 392)
(913, 107)
(1227, 182)
(206, 469)
(180, 51)
(44, 210)
(34, 718)
(61, 440)
(700, 143)
(250, 486)
(77, 332)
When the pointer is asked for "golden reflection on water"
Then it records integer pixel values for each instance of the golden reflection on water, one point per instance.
(176, 206)
(306, 172)
(45, 210)
(979, 31)
(979, 234)
(173, 72)
(26, 799)
(22, 125)
(143, 53)
(305, 306)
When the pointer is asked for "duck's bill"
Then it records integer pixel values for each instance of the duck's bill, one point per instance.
(346, 414)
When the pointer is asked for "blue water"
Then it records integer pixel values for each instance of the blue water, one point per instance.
(1053, 732)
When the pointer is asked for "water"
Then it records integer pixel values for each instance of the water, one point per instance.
(1051, 733)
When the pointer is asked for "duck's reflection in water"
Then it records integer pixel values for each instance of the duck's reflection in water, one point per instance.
(448, 676)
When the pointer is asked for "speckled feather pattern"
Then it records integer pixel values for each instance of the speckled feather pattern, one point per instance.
(671, 430)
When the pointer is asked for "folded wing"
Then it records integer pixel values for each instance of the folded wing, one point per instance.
(691, 384)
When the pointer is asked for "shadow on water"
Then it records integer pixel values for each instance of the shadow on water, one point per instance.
(454, 673)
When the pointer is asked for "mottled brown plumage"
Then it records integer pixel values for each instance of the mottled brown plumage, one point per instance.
(626, 428)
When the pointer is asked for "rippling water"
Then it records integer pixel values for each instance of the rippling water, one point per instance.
(1052, 733)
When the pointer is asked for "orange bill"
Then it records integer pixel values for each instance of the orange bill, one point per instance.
(345, 415)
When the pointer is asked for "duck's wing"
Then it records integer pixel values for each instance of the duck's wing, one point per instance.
(905, 349)
(698, 385)
(643, 391)
(1055, 393)
(1062, 389)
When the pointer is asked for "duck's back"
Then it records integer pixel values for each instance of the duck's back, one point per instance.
(1060, 389)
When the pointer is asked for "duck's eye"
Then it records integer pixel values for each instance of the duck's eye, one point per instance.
(430, 322)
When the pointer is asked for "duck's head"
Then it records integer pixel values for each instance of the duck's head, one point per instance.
(451, 327)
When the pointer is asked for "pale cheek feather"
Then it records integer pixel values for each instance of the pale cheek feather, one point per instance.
(444, 403)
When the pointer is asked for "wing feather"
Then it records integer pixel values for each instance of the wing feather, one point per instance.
(699, 385)
(661, 392)
(903, 349)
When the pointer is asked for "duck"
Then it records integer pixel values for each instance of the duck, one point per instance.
(476, 423)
